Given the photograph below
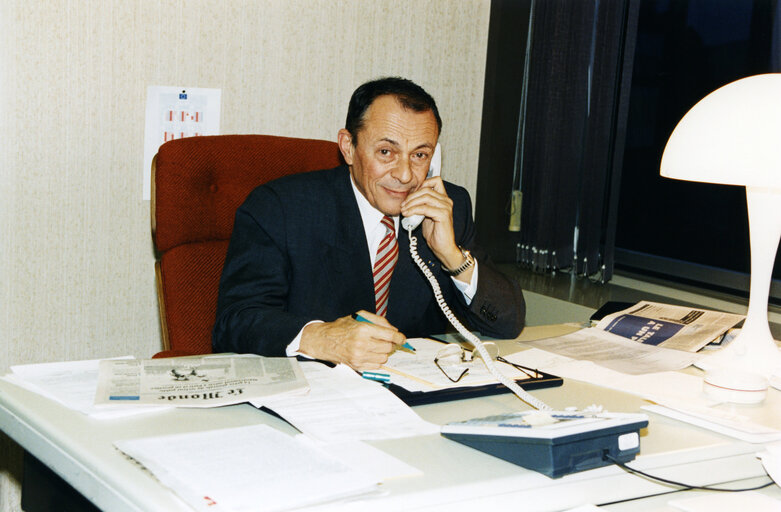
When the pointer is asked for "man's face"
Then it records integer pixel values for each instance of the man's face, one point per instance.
(393, 153)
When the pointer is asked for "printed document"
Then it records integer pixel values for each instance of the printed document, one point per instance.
(342, 406)
(417, 372)
(247, 469)
(200, 381)
(615, 352)
(669, 384)
(668, 326)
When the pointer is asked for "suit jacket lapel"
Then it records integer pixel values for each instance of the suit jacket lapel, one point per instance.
(350, 266)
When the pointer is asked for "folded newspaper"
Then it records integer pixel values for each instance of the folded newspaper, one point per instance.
(201, 381)
(669, 326)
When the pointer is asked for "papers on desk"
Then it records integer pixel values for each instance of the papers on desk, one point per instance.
(668, 385)
(676, 395)
(70, 383)
(417, 371)
(614, 352)
(723, 422)
(105, 388)
(198, 381)
(342, 406)
(247, 468)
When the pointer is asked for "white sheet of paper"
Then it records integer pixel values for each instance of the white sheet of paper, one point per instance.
(176, 113)
(239, 468)
(615, 352)
(367, 459)
(670, 385)
(72, 384)
(342, 406)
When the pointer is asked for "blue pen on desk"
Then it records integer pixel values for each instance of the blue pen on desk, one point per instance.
(362, 319)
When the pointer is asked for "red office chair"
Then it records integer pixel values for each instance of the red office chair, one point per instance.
(197, 185)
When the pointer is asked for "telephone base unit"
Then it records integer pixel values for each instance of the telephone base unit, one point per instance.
(553, 443)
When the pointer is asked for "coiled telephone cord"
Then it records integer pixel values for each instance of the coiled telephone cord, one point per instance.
(463, 331)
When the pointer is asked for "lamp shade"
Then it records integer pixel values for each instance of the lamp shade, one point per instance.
(732, 136)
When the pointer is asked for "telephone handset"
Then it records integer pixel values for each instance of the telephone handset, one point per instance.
(413, 221)
(410, 223)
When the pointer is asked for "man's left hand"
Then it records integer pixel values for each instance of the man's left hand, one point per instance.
(431, 200)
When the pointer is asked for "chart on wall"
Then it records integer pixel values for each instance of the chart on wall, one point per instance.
(176, 113)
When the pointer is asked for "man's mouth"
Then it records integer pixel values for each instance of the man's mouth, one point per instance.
(400, 193)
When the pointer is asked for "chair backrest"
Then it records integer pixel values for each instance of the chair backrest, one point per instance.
(197, 185)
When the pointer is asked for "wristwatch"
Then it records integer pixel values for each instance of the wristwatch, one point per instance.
(469, 261)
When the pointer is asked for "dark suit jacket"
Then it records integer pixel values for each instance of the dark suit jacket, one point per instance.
(298, 253)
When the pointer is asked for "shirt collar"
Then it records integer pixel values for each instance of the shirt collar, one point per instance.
(370, 216)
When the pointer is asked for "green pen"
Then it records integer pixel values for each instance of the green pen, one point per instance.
(358, 317)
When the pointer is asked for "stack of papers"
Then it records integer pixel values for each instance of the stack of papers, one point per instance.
(247, 468)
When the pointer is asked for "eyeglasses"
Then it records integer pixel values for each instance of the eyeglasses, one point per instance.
(453, 359)
(529, 372)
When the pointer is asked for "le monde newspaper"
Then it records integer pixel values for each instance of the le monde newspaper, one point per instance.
(205, 381)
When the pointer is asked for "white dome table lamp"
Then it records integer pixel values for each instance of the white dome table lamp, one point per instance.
(733, 137)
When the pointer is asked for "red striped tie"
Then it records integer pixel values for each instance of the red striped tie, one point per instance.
(387, 254)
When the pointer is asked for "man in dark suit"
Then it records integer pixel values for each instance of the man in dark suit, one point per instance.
(309, 250)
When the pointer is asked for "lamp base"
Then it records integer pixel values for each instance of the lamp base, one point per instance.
(740, 372)
(727, 385)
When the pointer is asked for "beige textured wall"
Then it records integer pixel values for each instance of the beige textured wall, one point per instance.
(76, 261)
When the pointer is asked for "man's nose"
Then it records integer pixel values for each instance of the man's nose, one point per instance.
(403, 171)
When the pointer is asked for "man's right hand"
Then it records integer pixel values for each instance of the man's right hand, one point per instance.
(361, 345)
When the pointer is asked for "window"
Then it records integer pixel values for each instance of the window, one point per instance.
(688, 231)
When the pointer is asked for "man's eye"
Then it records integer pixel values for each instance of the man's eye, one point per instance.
(385, 152)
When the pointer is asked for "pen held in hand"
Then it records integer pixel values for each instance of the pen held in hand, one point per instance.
(359, 318)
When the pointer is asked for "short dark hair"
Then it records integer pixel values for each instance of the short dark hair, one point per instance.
(409, 94)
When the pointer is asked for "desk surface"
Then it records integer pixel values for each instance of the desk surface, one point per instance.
(80, 450)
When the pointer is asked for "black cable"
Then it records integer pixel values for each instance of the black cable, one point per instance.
(679, 484)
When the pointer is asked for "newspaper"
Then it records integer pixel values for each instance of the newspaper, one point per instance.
(668, 326)
(206, 381)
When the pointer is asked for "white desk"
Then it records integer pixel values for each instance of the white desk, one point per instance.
(80, 450)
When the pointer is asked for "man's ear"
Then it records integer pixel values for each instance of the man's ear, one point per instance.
(345, 141)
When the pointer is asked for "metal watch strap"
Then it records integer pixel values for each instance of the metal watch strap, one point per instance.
(468, 262)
